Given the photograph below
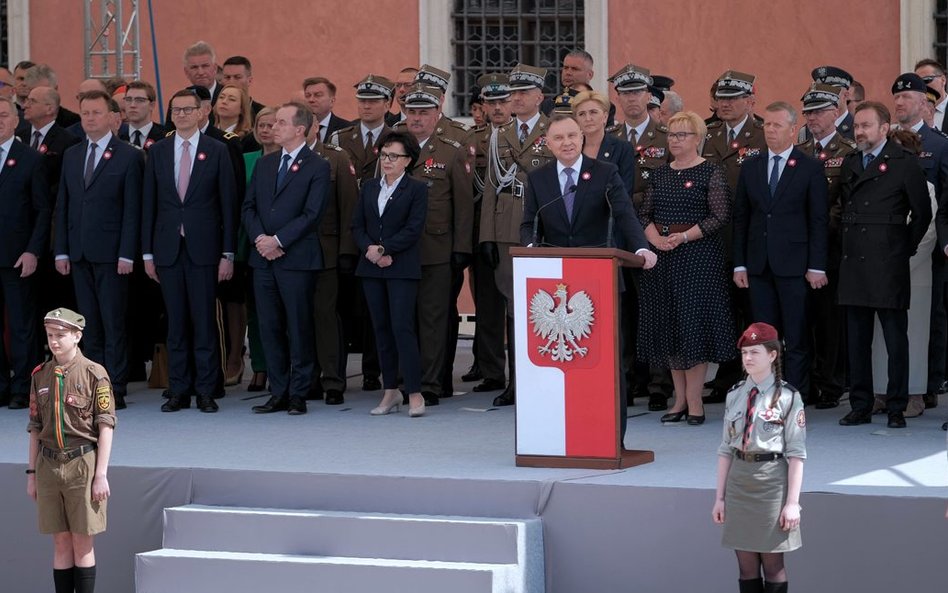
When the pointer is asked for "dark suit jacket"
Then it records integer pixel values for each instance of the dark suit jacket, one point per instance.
(66, 118)
(590, 210)
(877, 241)
(291, 211)
(398, 229)
(156, 133)
(208, 212)
(25, 203)
(55, 143)
(788, 231)
(620, 153)
(336, 123)
(102, 222)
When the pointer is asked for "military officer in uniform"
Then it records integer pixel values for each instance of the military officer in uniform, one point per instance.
(843, 81)
(649, 140)
(490, 324)
(820, 106)
(374, 98)
(72, 417)
(445, 166)
(339, 251)
(737, 136)
(515, 150)
(447, 127)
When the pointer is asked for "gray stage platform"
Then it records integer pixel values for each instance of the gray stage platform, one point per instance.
(869, 492)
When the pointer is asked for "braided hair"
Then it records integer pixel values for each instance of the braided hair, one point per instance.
(775, 346)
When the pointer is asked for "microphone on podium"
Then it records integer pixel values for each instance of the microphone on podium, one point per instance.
(536, 217)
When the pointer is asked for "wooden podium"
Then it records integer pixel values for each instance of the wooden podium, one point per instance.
(566, 307)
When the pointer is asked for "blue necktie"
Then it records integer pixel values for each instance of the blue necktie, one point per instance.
(281, 174)
(775, 176)
(569, 195)
(866, 160)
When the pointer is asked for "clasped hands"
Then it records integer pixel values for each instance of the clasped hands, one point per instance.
(374, 255)
(268, 247)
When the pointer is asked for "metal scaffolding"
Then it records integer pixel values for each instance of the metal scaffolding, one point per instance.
(111, 40)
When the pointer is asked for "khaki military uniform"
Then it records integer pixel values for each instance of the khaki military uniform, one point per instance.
(66, 410)
(444, 165)
(364, 159)
(502, 207)
(446, 128)
(335, 239)
(651, 151)
(832, 158)
(749, 142)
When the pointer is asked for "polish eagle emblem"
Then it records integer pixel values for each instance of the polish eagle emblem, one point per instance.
(561, 324)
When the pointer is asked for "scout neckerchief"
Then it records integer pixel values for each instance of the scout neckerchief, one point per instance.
(59, 390)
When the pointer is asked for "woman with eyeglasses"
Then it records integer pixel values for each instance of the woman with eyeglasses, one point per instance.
(387, 225)
(685, 309)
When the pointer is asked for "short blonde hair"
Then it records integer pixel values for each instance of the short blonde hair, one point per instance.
(691, 120)
(262, 113)
(596, 96)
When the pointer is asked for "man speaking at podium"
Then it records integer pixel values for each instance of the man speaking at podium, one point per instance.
(576, 201)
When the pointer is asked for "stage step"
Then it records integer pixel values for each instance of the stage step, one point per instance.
(340, 551)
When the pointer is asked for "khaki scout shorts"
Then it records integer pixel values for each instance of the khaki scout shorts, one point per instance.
(64, 496)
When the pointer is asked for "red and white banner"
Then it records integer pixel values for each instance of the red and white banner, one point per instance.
(566, 356)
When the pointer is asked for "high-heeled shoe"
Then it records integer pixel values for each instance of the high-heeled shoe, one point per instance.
(417, 411)
(694, 420)
(258, 382)
(674, 416)
(235, 379)
(387, 408)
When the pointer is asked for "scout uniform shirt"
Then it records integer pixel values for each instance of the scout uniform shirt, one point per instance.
(651, 152)
(445, 168)
(502, 210)
(748, 142)
(335, 226)
(779, 428)
(68, 403)
(831, 155)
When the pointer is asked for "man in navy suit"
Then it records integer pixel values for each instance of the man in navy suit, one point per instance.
(577, 199)
(26, 205)
(138, 128)
(189, 234)
(285, 200)
(781, 220)
(98, 221)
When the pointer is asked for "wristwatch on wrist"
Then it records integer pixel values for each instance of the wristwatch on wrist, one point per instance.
(228, 256)
(381, 250)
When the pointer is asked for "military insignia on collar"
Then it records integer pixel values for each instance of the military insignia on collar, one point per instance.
(585, 176)
(107, 154)
(11, 162)
(747, 134)
(689, 184)
(792, 163)
(201, 156)
(651, 134)
(43, 149)
(709, 135)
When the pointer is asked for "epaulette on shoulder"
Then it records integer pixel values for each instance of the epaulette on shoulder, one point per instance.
(345, 130)
(758, 124)
(613, 128)
(662, 128)
(738, 385)
(852, 143)
(461, 125)
(399, 125)
(801, 144)
(332, 146)
(453, 143)
(169, 134)
(37, 369)
(715, 124)
(940, 133)
(230, 136)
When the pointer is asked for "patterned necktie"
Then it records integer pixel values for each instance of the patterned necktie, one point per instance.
(524, 132)
(184, 169)
(569, 192)
(749, 417)
(90, 164)
(137, 138)
(369, 141)
(775, 175)
(866, 159)
(36, 140)
(281, 174)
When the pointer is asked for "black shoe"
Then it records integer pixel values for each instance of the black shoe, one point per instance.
(274, 404)
(488, 385)
(404, 397)
(176, 402)
(334, 397)
(507, 398)
(371, 384)
(315, 393)
(166, 394)
(944, 426)
(258, 382)
(827, 401)
(19, 401)
(473, 374)
(657, 402)
(855, 418)
(446, 393)
(120, 401)
(717, 396)
(695, 420)
(931, 400)
(297, 406)
(674, 416)
(206, 404)
(4, 398)
(431, 399)
(896, 420)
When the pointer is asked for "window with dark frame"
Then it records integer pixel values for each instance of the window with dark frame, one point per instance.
(941, 30)
(494, 35)
(4, 35)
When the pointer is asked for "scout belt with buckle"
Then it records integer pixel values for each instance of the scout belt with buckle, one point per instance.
(63, 455)
(756, 457)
